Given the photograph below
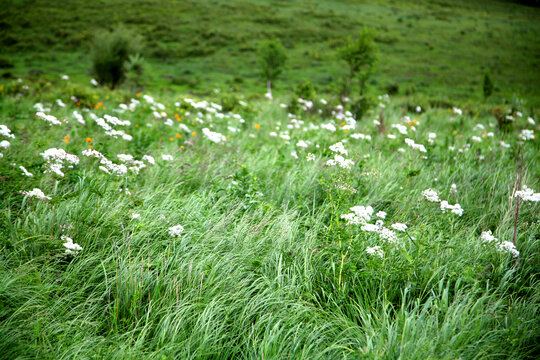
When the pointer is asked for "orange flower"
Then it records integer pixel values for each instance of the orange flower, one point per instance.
(100, 103)
(415, 121)
(257, 126)
(96, 107)
(181, 146)
(178, 135)
(455, 132)
(137, 94)
(172, 139)
(409, 122)
(342, 123)
(66, 139)
(194, 133)
(88, 139)
(78, 103)
(90, 147)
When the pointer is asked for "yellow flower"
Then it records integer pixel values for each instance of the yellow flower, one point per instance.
(454, 132)
(194, 133)
(66, 139)
(257, 126)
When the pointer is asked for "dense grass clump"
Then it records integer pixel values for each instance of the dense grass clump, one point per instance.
(182, 230)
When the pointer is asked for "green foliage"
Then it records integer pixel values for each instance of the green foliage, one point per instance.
(306, 90)
(487, 85)
(272, 58)
(360, 54)
(113, 53)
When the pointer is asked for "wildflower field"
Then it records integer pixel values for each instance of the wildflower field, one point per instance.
(380, 201)
(142, 227)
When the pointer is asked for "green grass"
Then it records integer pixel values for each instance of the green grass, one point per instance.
(265, 267)
(433, 48)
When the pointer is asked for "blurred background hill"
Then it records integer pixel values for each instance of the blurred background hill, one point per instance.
(434, 48)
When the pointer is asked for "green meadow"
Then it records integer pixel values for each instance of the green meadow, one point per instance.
(184, 215)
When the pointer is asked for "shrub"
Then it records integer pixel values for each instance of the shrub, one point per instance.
(110, 51)
(272, 58)
(361, 55)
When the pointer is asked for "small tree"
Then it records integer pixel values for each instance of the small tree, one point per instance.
(361, 55)
(487, 86)
(272, 58)
(110, 51)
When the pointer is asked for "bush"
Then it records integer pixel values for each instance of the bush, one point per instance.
(110, 52)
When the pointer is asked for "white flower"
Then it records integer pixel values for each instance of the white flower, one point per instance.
(135, 216)
(4, 144)
(375, 250)
(176, 230)
(94, 82)
(310, 157)
(302, 144)
(530, 120)
(60, 103)
(363, 212)
(503, 144)
(381, 214)
(507, 246)
(527, 194)
(65, 77)
(415, 146)
(431, 195)
(37, 193)
(487, 237)
(457, 111)
(339, 148)
(418, 109)
(294, 154)
(149, 159)
(455, 209)
(329, 127)
(401, 128)
(71, 248)
(4, 131)
(476, 139)
(167, 157)
(25, 172)
(214, 136)
(49, 118)
(399, 226)
(453, 189)
(125, 157)
(526, 135)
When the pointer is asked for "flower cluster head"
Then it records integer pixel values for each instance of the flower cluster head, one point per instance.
(107, 165)
(502, 246)
(57, 159)
(431, 195)
(527, 194)
(52, 120)
(214, 136)
(4, 131)
(415, 146)
(37, 193)
(455, 209)
(339, 148)
(176, 230)
(71, 247)
(375, 251)
(361, 215)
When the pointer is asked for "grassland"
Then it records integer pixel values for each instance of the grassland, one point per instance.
(434, 48)
(191, 218)
(266, 266)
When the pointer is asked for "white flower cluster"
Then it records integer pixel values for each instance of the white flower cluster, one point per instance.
(415, 146)
(375, 251)
(502, 246)
(119, 169)
(37, 193)
(176, 230)
(25, 172)
(109, 129)
(431, 195)
(57, 158)
(338, 159)
(526, 135)
(49, 118)
(4, 131)
(527, 194)
(455, 209)
(362, 214)
(71, 247)
(214, 136)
